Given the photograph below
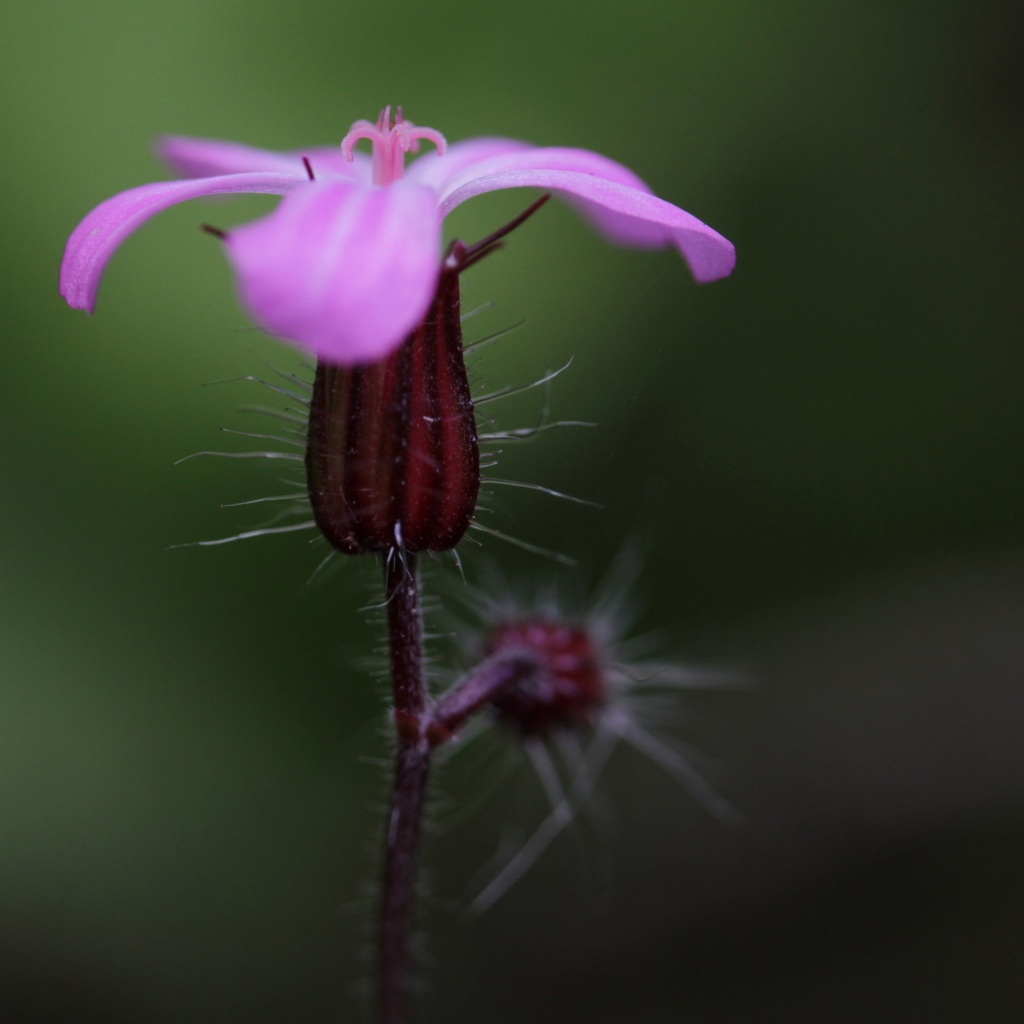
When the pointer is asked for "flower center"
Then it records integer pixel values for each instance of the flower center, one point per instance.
(391, 141)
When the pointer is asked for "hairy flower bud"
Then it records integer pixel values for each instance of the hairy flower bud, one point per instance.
(566, 689)
(562, 687)
(392, 457)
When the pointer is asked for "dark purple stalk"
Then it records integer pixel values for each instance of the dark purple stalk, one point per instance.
(408, 794)
(488, 681)
(418, 729)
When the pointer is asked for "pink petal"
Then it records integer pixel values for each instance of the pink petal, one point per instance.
(439, 171)
(94, 241)
(533, 158)
(344, 270)
(197, 158)
(610, 195)
(204, 158)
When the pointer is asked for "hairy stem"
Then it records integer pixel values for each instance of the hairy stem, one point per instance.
(482, 685)
(408, 794)
(419, 728)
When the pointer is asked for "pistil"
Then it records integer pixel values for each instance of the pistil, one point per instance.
(391, 141)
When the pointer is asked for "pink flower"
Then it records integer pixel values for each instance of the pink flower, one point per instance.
(347, 264)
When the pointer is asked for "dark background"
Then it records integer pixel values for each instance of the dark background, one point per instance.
(825, 453)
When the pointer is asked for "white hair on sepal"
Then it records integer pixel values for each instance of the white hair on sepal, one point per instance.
(266, 437)
(287, 456)
(302, 399)
(246, 535)
(260, 501)
(534, 549)
(296, 391)
(490, 339)
(299, 417)
(476, 312)
(303, 383)
(523, 434)
(327, 568)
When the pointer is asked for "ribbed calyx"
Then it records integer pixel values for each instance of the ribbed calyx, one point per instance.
(392, 458)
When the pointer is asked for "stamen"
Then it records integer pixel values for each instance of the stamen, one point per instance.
(390, 144)
(216, 232)
(360, 130)
(309, 169)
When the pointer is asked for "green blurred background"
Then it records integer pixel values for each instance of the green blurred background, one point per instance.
(826, 452)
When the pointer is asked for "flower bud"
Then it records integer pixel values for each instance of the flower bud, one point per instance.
(392, 454)
(568, 687)
(392, 457)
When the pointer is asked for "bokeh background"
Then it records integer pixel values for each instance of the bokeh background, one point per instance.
(825, 454)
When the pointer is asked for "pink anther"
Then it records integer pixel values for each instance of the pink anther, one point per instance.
(390, 143)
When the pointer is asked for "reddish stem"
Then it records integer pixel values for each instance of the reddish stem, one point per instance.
(408, 795)
(467, 697)
(418, 730)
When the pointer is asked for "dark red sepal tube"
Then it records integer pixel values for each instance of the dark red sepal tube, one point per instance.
(392, 458)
